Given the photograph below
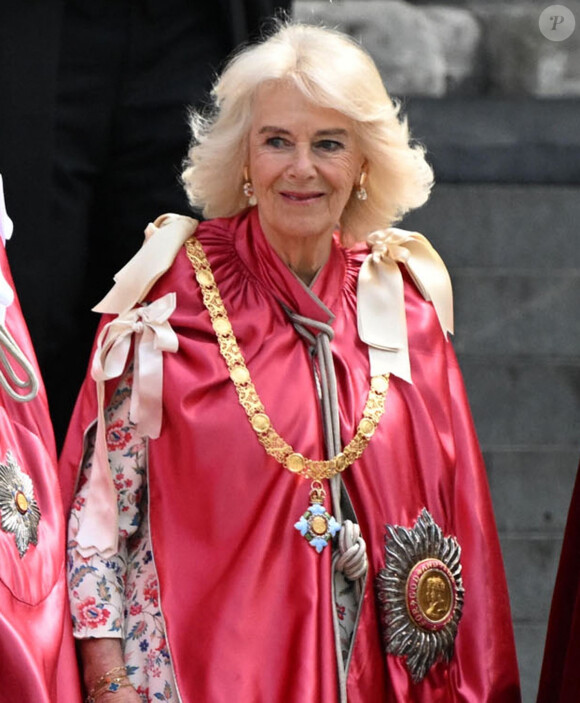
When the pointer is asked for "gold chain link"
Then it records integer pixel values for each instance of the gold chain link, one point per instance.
(275, 445)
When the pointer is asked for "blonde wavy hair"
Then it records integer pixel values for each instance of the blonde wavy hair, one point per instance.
(332, 71)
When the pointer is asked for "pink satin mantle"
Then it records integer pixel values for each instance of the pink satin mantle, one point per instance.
(37, 655)
(246, 601)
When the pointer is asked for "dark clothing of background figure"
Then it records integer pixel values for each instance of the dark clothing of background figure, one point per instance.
(93, 114)
(560, 679)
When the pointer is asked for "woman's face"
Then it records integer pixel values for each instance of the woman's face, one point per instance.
(303, 162)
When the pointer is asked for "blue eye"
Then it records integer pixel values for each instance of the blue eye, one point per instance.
(329, 145)
(277, 142)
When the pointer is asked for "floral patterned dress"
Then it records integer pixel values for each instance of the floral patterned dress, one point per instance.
(118, 597)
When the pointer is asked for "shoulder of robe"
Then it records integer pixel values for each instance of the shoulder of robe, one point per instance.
(386, 307)
(163, 239)
(427, 271)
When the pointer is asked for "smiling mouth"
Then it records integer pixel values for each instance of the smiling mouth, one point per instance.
(301, 197)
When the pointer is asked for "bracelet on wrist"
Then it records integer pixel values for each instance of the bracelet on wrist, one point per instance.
(109, 682)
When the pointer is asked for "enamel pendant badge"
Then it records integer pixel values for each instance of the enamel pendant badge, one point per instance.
(317, 525)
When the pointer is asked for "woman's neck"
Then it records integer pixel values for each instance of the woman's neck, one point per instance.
(305, 256)
(305, 264)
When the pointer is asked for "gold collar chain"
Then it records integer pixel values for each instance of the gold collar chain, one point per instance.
(275, 445)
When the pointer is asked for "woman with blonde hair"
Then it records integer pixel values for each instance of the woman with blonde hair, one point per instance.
(276, 453)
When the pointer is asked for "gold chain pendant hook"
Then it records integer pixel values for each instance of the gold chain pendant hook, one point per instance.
(317, 492)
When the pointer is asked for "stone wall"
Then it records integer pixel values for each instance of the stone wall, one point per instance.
(461, 48)
(514, 262)
(498, 107)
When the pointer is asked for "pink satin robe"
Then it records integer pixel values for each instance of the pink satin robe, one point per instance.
(246, 601)
(37, 655)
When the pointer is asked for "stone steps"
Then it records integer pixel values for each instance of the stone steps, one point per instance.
(505, 217)
(514, 258)
(499, 140)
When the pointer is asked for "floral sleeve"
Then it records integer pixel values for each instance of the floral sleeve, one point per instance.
(97, 585)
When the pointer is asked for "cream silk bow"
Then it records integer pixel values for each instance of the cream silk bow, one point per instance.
(148, 326)
(165, 237)
(382, 322)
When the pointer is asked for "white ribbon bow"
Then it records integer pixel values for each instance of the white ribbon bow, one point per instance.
(153, 336)
(6, 224)
(6, 228)
(149, 325)
(382, 322)
(97, 530)
(164, 238)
